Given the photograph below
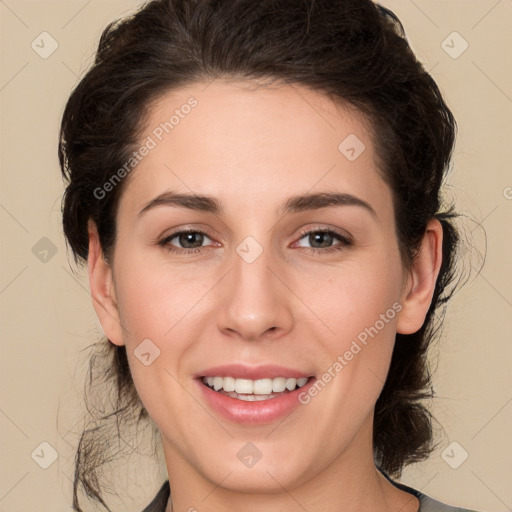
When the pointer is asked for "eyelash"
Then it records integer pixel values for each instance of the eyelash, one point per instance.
(345, 241)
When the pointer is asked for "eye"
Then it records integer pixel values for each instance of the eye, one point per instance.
(322, 239)
(190, 240)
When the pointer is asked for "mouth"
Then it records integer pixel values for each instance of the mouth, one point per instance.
(253, 395)
(254, 390)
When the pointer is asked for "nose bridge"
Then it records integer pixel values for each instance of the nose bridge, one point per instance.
(255, 300)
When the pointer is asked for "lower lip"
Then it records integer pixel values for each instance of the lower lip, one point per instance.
(253, 413)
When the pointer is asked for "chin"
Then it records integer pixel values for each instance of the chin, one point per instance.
(259, 479)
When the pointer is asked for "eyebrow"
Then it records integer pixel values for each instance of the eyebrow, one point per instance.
(294, 204)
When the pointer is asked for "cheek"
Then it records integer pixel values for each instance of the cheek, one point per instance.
(153, 299)
(353, 298)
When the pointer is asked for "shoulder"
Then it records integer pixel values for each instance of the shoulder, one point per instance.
(159, 502)
(428, 504)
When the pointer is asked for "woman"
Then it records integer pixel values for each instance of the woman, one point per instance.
(255, 187)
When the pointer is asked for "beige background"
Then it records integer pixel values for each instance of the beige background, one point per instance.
(47, 316)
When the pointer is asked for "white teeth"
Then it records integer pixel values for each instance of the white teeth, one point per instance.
(255, 388)
(290, 384)
(262, 387)
(243, 386)
(217, 383)
(279, 384)
(229, 384)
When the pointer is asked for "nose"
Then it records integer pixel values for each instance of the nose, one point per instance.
(255, 302)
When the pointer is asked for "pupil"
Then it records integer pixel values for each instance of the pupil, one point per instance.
(189, 237)
(319, 236)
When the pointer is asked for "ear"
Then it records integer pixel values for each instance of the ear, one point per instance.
(421, 280)
(102, 288)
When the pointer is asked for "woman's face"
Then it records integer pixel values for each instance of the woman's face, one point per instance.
(275, 280)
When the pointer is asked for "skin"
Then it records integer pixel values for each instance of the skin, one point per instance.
(252, 148)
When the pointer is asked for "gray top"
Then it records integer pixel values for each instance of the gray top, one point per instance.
(427, 504)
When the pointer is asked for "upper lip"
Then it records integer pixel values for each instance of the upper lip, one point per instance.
(240, 371)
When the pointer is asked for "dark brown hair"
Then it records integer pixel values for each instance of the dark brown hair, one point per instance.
(353, 51)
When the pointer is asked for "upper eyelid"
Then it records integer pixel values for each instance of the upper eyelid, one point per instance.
(339, 232)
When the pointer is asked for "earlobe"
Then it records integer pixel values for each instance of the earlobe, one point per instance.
(102, 289)
(418, 292)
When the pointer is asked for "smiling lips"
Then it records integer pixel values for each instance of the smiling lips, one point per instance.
(253, 395)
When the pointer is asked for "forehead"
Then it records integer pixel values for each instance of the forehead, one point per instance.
(254, 144)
